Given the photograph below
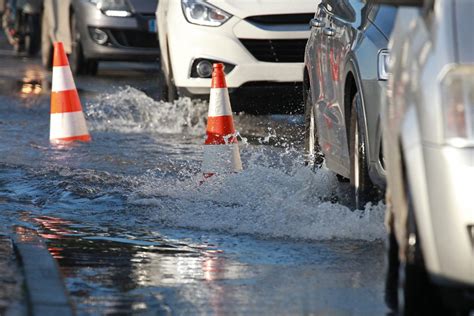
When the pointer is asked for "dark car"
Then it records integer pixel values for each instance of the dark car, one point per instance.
(100, 30)
(344, 76)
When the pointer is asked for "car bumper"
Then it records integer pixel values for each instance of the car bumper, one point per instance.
(449, 173)
(188, 42)
(130, 38)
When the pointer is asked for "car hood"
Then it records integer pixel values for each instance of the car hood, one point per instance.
(246, 8)
(144, 6)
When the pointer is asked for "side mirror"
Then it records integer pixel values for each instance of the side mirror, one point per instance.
(397, 3)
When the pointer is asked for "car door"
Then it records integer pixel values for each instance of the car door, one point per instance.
(320, 81)
(340, 34)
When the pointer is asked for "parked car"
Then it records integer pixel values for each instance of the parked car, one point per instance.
(100, 30)
(261, 43)
(429, 149)
(21, 24)
(344, 77)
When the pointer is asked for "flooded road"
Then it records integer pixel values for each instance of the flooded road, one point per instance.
(134, 232)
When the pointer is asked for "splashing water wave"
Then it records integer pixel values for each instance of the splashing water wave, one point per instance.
(131, 110)
(275, 196)
(264, 201)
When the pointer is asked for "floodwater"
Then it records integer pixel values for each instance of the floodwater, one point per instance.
(133, 231)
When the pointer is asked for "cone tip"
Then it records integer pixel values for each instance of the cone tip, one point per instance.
(59, 58)
(218, 77)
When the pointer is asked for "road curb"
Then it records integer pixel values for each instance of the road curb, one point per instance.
(45, 288)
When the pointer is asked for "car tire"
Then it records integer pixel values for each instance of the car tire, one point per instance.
(76, 58)
(169, 92)
(33, 37)
(46, 45)
(419, 295)
(363, 189)
(313, 155)
(391, 280)
(78, 63)
(91, 67)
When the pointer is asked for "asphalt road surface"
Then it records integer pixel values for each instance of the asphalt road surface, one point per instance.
(134, 232)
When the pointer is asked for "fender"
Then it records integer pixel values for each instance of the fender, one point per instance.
(375, 168)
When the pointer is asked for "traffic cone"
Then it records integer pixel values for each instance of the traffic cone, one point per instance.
(67, 119)
(221, 148)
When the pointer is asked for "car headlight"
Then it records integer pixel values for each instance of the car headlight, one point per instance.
(383, 60)
(202, 13)
(457, 96)
(115, 8)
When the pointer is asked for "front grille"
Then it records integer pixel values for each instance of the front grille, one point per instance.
(277, 51)
(136, 39)
(281, 19)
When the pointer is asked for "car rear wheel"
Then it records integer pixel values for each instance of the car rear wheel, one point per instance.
(363, 189)
(313, 156)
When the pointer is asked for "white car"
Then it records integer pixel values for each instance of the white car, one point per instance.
(261, 43)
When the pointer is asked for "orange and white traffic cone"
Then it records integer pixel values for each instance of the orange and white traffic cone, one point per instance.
(221, 150)
(67, 119)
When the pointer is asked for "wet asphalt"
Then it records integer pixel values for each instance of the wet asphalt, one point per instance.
(132, 230)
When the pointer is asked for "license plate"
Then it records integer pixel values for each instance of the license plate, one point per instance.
(152, 26)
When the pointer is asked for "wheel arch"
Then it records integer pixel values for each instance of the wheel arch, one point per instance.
(352, 85)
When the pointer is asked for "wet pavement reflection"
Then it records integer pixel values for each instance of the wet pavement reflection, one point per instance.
(110, 271)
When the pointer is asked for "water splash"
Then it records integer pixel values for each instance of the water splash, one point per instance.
(264, 200)
(130, 110)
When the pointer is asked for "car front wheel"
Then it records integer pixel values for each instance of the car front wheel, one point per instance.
(313, 156)
(79, 64)
(46, 44)
(363, 189)
(419, 295)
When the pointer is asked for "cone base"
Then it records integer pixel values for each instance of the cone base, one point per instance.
(81, 138)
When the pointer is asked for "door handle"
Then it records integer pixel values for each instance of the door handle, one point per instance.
(316, 23)
(329, 31)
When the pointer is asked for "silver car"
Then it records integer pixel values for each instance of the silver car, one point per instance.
(344, 77)
(100, 30)
(429, 151)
